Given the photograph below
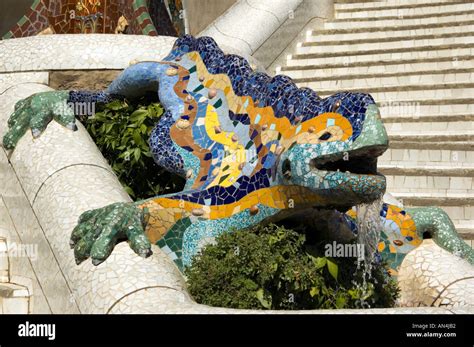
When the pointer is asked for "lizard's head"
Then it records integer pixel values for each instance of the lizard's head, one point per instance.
(335, 153)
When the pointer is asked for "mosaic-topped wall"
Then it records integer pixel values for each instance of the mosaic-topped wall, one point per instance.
(160, 15)
(139, 17)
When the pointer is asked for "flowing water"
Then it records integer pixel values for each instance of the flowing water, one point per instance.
(369, 226)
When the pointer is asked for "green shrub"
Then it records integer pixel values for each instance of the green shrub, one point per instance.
(121, 131)
(273, 268)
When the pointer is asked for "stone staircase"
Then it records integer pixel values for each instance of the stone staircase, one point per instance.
(14, 298)
(16, 286)
(416, 58)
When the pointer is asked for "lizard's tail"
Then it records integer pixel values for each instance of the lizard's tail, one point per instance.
(436, 222)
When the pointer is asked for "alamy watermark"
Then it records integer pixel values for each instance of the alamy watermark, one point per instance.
(400, 108)
(28, 329)
(78, 108)
(345, 250)
(20, 250)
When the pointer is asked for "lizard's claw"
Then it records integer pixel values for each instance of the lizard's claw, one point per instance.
(35, 112)
(99, 230)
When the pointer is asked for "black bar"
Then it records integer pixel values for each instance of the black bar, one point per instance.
(364, 329)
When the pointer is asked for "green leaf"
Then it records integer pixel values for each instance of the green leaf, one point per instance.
(108, 127)
(261, 297)
(369, 292)
(137, 137)
(158, 109)
(121, 131)
(249, 284)
(333, 269)
(319, 262)
(138, 115)
(137, 154)
(341, 301)
(129, 191)
(314, 291)
(353, 293)
(116, 105)
(151, 112)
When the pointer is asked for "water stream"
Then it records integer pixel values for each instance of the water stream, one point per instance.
(369, 226)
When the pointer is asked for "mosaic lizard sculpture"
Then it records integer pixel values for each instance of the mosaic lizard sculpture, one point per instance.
(253, 149)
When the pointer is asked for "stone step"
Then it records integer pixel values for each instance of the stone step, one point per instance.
(421, 51)
(389, 64)
(380, 57)
(445, 98)
(405, 184)
(432, 169)
(446, 92)
(361, 36)
(360, 32)
(4, 262)
(467, 234)
(14, 299)
(427, 127)
(416, 143)
(353, 71)
(465, 229)
(439, 136)
(340, 6)
(406, 44)
(416, 59)
(405, 118)
(395, 22)
(461, 108)
(400, 80)
(443, 161)
(403, 11)
(355, 2)
(434, 199)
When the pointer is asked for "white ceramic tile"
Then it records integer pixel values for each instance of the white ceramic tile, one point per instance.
(8, 80)
(247, 24)
(93, 51)
(427, 274)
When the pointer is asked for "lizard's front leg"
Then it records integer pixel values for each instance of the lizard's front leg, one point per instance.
(179, 227)
(36, 111)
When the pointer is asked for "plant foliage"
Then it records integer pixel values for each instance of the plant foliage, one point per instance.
(271, 267)
(121, 131)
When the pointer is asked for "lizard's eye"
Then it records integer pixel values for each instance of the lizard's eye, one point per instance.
(326, 136)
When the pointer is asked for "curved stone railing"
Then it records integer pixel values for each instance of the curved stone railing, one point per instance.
(248, 23)
(80, 52)
(62, 174)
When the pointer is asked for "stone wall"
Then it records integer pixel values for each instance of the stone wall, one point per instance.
(10, 12)
(63, 17)
(201, 13)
